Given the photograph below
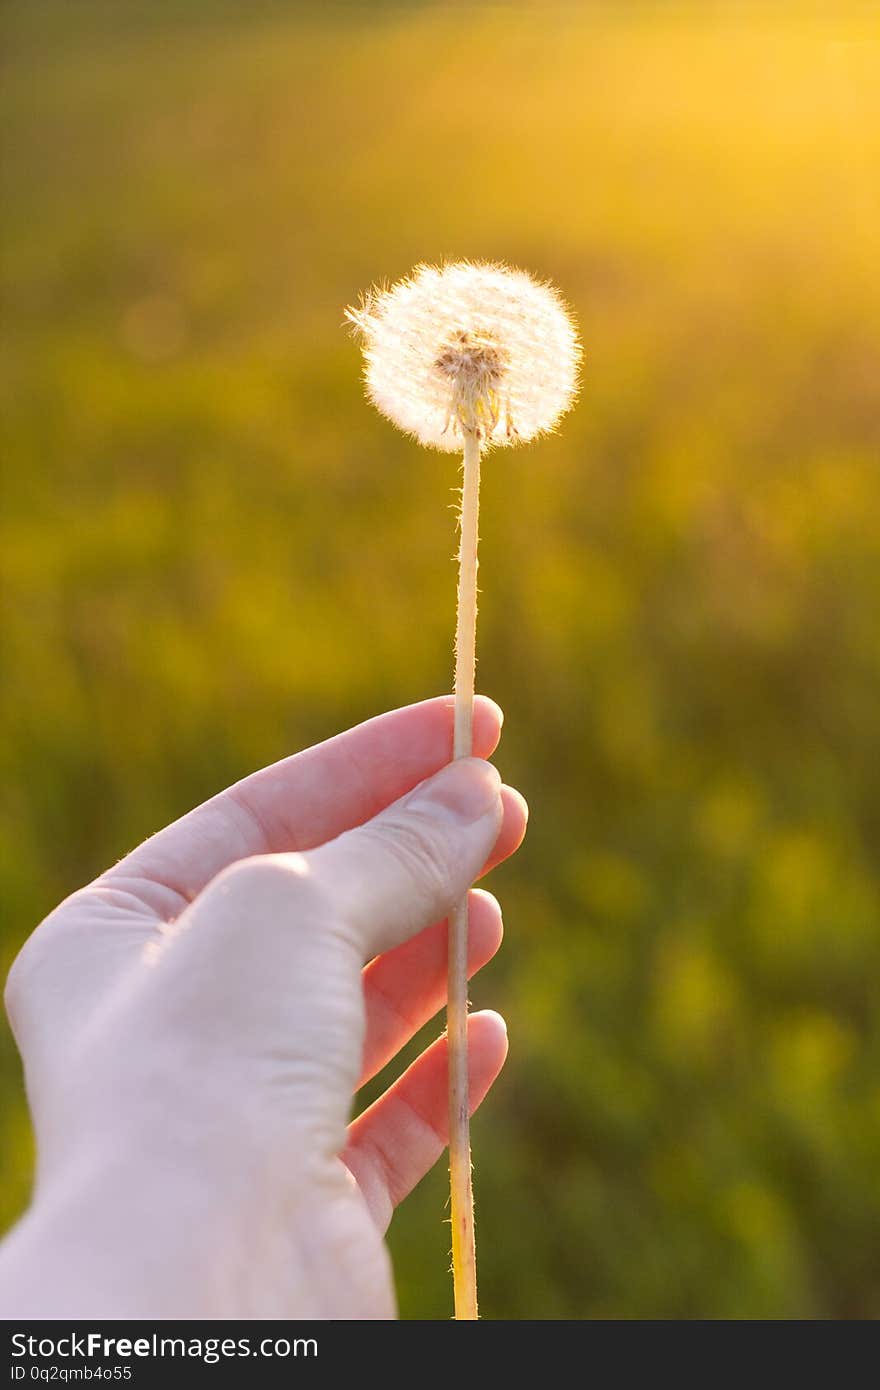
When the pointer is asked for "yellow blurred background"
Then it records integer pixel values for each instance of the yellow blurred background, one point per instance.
(213, 552)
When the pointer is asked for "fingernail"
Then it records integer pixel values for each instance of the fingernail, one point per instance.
(463, 792)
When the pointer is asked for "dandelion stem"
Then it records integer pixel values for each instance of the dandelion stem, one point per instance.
(464, 1269)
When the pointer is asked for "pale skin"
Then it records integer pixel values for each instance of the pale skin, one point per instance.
(195, 1023)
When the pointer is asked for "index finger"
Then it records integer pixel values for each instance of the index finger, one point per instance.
(309, 798)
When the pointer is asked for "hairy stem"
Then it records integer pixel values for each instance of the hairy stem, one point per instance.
(464, 1269)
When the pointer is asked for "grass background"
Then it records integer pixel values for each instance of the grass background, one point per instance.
(213, 552)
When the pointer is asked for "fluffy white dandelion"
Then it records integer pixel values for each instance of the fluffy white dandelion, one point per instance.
(467, 356)
(468, 348)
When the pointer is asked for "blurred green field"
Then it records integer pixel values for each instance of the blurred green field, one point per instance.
(212, 552)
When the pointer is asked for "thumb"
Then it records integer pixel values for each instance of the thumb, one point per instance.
(408, 866)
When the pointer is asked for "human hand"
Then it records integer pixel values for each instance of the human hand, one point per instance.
(195, 1023)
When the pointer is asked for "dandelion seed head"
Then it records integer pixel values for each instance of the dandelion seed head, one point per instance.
(469, 349)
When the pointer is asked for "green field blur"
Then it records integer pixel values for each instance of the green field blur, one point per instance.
(212, 552)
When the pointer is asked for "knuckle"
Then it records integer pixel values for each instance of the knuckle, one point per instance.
(425, 860)
(259, 872)
(273, 884)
